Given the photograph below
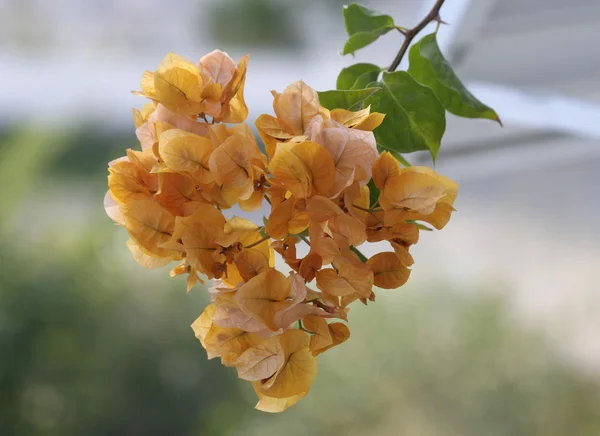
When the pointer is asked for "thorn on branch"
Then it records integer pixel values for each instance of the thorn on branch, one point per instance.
(402, 30)
(439, 20)
(409, 34)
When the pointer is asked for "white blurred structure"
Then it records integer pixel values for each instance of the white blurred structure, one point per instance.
(535, 62)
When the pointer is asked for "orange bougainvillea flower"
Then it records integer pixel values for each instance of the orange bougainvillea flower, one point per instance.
(325, 336)
(326, 191)
(412, 190)
(237, 164)
(294, 108)
(296, 373)
(186, 153)
(214, 87)
(303, 168)
(228, 343)
(346, 280)
(176, 84)
(353, 152)
(159, 119)
(263, 296)
(363, 119)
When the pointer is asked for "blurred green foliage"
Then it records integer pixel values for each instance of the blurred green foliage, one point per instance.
(86, 347)
(443, 363)
(93, 344)
(84, 352)
(253, 23)
(259, 24)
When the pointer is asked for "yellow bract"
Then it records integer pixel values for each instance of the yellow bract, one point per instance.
(230, 166)
(325, 335)
(263, 296)
(178, 85)
(234, 109)
(388, 270)
(295, 108)
(177, 193)
(361, 120)
(227, 343)
(146, 260)
(289, 216)
(303, 168)
(128, 181)
(149, 226)
(262, 361)
(213, 88)
(255, 259)
(276, 405)
(349, 281)
(353, 153)
(298, 371)
(186, 153)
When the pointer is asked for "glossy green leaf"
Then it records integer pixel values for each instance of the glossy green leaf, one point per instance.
(351, 100)
(364, 26)
(415, 120)
(361, 19)
(357, 76)
(429, 67)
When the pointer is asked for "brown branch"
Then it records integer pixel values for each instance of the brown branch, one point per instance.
(409, 34)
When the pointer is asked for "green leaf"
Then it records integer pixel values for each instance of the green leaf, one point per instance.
(373, 193)
(346, 99)
(415, 120)
(429, 67)
(364, 26)
(357, 76)
(361, 19)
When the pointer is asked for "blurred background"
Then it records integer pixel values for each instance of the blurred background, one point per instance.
(496, 333)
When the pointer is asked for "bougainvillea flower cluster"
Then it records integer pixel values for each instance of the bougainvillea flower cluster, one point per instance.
(321, 182)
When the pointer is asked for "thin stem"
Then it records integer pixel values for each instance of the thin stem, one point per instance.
(409, 34)
(260, 241)
(401, 29)
(370, 211)
(326, 308)
(361, 256)
(301, 327)
(364, 209)
(304, 239)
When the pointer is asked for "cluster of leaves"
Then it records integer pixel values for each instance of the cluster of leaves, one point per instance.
(414, 101)
(323, 179)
